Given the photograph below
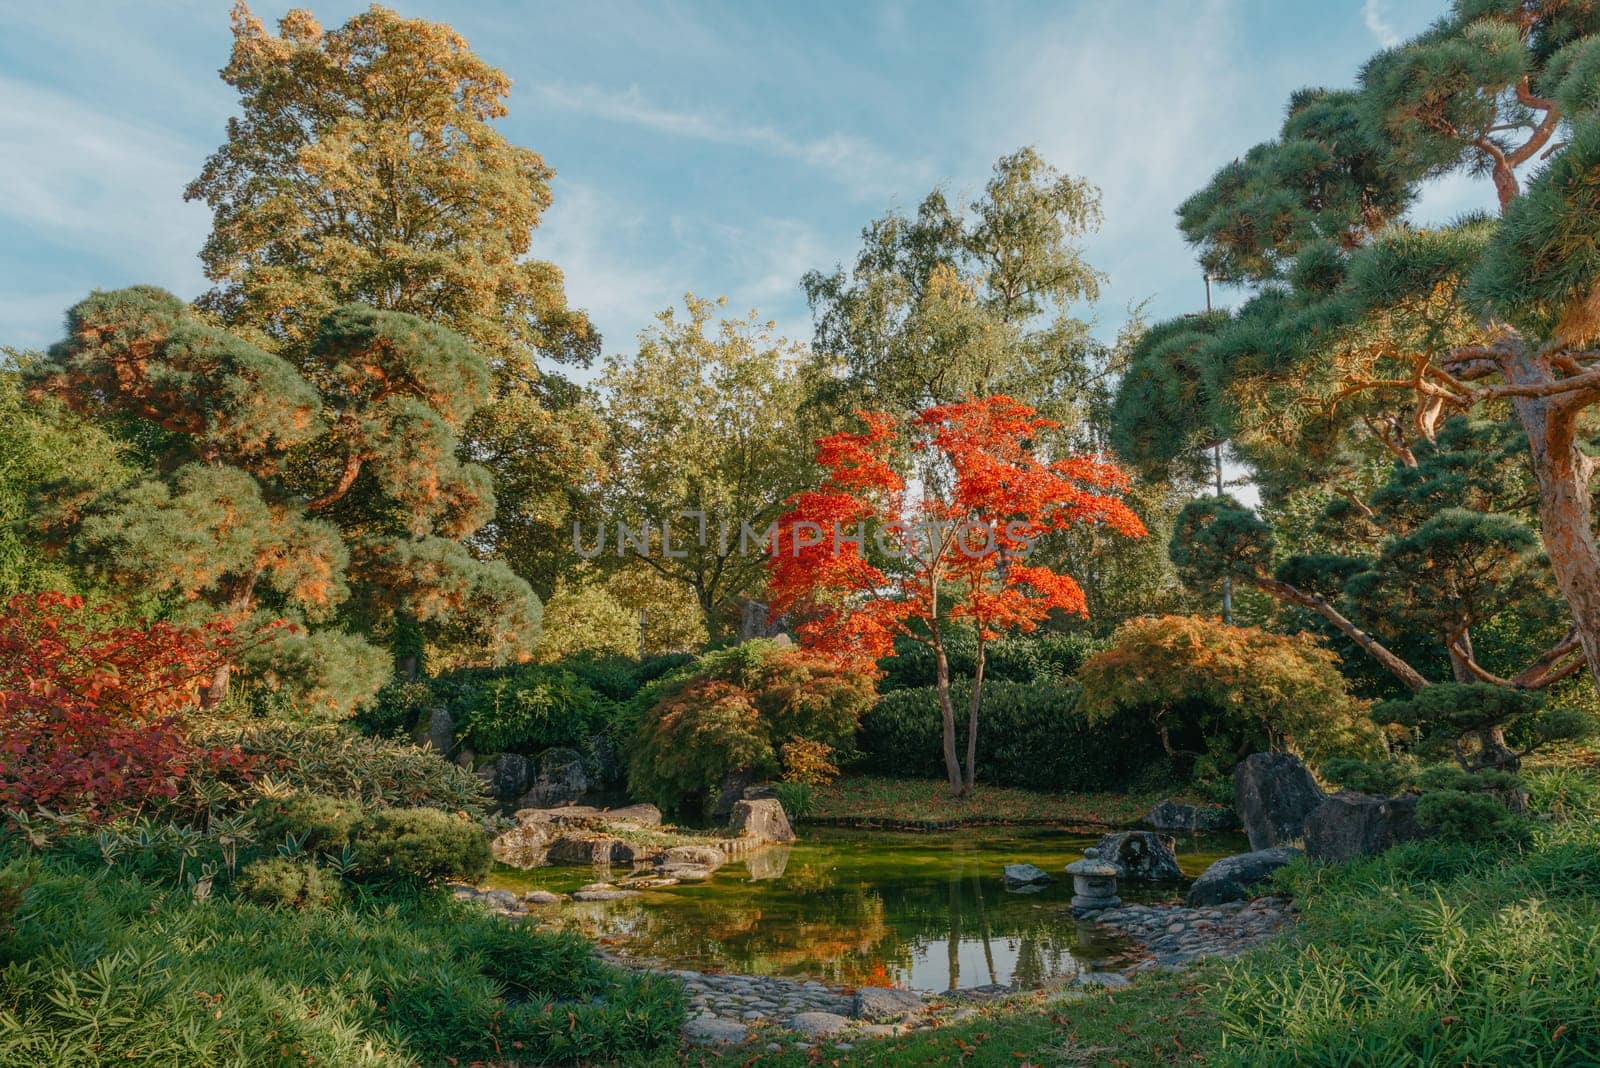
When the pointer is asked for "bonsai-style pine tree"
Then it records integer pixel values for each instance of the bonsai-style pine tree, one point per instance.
(284, 490)
(1442, 548)
(873, 554)
(1366, 334)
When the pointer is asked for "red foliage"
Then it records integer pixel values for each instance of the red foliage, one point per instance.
(91, 715)
(980, 495)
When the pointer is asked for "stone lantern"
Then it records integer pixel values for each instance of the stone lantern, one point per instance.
(1094, 883)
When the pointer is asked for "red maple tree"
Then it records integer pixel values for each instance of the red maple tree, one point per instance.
(92, 713)
(912, 531)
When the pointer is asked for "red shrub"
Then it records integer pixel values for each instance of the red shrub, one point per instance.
(91, 714)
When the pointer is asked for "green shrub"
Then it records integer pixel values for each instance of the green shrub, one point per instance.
(1029, 734)
(796, 798)
(1384, 778)
(334, 761)
(618, 678)
(1011, 658)
(396, 709)
(421, 845)
(531, 709)
(318, 823)
(1467, 817)
(1563, 792)
(280, 882)
(734, 713)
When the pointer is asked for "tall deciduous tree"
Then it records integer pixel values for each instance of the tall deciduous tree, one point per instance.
(708, 442)
(365, 167)
(283, 488)
(1368, 334)
(950, 303)
(954, 539)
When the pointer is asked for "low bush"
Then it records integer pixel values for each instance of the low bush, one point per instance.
(317, 823)
(103, 968)
(1029, 734)
(735, 710)
(421, 845)
(1216, 693)
(336, 762)
(281, 882)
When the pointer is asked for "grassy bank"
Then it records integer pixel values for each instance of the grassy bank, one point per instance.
(100, 966)
(876, 800)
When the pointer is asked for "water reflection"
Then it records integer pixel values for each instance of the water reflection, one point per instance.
(924, 911)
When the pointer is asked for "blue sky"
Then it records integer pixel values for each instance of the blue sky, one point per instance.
(719, 148)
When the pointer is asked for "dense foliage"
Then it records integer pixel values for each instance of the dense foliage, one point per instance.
(1222, 692)
(1036, 736)
(92, 715)
(742, 711)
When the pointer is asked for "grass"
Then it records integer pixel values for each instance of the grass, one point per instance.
(879, 800)
(100, 966)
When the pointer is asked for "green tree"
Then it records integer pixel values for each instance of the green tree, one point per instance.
(708, 441)
(325, 491)
(1366, 335)
(365, 167)
(951, 303)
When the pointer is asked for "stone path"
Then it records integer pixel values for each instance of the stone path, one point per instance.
(1174, 935)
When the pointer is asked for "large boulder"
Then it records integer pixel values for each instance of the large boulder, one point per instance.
(436, 730)
(702, 856)
(527, 845)
(1191, 819)
(1349, 825)
(879, 1004)
(1231, 878)
(1143, 855)
(506, 776)
(640, 815)
(558, 779)
(1274, 793)
(760, 819)
(731, 791)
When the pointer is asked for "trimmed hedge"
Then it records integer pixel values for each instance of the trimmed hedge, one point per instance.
(1029, 734)
(1014, 658)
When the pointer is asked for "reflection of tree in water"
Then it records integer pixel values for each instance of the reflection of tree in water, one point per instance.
(860, 912)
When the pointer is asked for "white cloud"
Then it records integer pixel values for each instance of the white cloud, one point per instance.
(1378, 24)
(852, 160)
(78, 177)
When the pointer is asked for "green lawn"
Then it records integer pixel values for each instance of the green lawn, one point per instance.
(880, 799)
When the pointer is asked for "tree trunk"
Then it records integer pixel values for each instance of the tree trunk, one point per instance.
(1566, 506)
(947, 712)
(972, 721)
(212, 693)
(1493, 752)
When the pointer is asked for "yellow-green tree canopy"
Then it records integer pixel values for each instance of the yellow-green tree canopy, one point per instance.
(1201, 682)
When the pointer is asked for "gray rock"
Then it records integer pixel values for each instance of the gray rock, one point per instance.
(713, 1031)
(436, 730)
(1143, 855)
(1024, 877)
(760, 819)
(506, 775)
(877, 1003)
(697, 855)
(1274, 794)
(558, 778)
(527, 845)
(1231, 878)
(1108, 980)
(1349, 825)
(818, 1024)
(687, 873)
(641, 815)
(541, 897)
(731, 791)
(1191, 819)
(502, 899)
(604, 895)
(761, 791)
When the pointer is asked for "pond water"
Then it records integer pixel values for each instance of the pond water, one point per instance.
(924, 911)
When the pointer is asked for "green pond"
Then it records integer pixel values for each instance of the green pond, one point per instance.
(924, 911)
